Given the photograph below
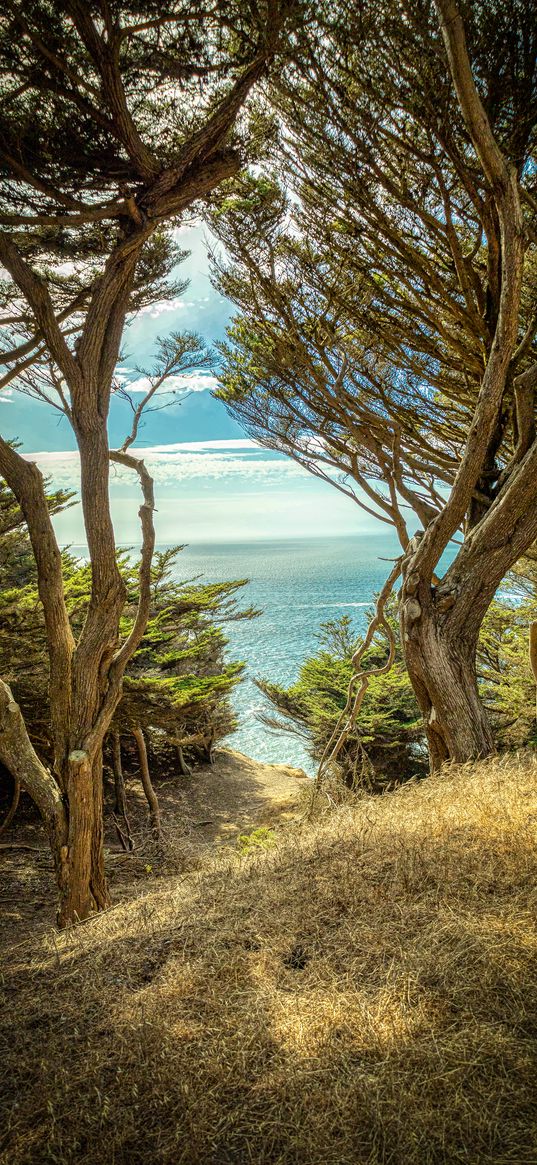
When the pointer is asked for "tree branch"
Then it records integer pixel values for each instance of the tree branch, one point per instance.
(126, 651)
(38, 298)
(20, 759)
(505, 185)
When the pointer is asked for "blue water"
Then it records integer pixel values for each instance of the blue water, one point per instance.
(298, 586)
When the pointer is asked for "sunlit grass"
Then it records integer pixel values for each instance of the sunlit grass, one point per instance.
(365, 991)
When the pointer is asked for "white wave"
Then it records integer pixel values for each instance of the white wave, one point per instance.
(309, 606)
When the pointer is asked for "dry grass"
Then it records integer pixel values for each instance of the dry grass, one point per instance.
(364, 992)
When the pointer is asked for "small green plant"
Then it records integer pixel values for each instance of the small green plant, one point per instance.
(260, 838)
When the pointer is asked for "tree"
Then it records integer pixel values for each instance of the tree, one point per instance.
(115, 120)
(177, 685)
(380, 752)
(385, 274)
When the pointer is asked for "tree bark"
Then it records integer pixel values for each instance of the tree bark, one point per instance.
(152, 800)
(84, 890)
(441, 667)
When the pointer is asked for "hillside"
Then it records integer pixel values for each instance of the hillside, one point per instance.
(365, 991)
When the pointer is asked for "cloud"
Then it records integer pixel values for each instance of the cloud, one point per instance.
(153, 310)
(202, 461)
(234, 444)
(178, 467)
(161, 306)
(182, 383)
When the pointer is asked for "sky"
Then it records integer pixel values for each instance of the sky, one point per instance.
(212, 482)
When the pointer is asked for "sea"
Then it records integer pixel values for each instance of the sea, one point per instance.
(297, 585)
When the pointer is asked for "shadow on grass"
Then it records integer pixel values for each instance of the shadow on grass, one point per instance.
(184, 1028)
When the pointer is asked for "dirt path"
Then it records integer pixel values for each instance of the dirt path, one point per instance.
(237, 794)
(211, 808)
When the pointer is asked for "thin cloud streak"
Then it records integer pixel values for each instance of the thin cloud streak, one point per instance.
(178, 463)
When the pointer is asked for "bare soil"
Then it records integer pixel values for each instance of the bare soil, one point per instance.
(236, 795)
(213, 807)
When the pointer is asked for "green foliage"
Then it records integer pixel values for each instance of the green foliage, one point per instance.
(179, 683)
(389, 727)
(261, 838)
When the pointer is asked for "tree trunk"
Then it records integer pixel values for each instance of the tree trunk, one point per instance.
(123, 830)
(441, 666)
(152, 801)
(533, 650)
(184, 769)
(98, 887)
(84, 887)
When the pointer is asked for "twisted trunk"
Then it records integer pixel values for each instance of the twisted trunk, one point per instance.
(440, 624)
(84, 890)
(441, 666)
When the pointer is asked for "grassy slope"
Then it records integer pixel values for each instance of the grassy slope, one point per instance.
(366, 992)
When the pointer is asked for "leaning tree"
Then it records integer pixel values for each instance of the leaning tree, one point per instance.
(116, 118)
(384, 266)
